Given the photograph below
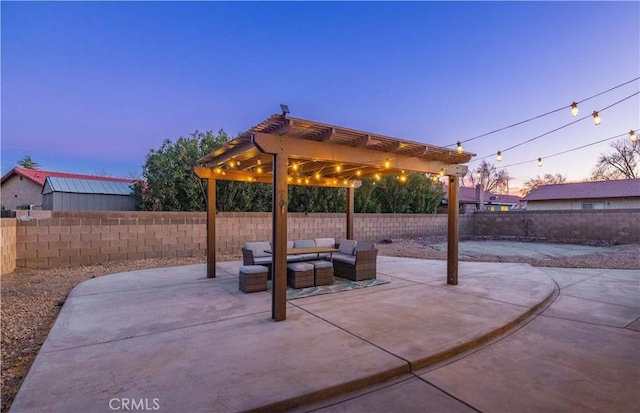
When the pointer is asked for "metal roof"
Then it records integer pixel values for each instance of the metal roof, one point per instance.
(587, 190)
(86, 186)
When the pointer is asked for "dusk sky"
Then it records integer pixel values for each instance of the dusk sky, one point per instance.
(92, 87)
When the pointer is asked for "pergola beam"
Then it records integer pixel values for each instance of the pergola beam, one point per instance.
(267, 178)
(336, 153)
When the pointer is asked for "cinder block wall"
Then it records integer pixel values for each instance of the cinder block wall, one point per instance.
(8, 245)
(622, 225)
(80, 238)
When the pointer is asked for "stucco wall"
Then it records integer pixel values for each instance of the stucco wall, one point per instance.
(8, 245)
(17, 191)
(619, 225)
(79, 238)
(576, 204)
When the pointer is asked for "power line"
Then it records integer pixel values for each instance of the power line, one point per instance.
(556, 129)
(544, 114)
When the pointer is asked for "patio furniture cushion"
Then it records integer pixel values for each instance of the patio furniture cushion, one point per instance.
(304, 243)
(294, 258)
(347, 246)
(321, 264)
(346, 258)
(289, 244)
(325, 242)
(262, 260)
(253, 269)
(365, 245)
(300, 266)
(258, 248)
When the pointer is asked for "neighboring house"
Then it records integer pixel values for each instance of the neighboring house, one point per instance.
(22, 187)
(72, 194)
(620, 194)
(469, 200)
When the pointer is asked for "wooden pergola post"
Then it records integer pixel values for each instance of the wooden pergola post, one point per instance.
(350, 211)
(453, 231)
(211, 228)
(279, 238)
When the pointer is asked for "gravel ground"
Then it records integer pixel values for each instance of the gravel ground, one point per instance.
(31, 299)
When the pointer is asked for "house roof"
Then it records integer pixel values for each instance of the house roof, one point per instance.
(587, 190)
(467, 195)
(85, 186)
(38, 176)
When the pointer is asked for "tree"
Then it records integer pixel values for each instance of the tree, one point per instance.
(621, 163)
(491, 178)
(169, 183)
(28, 163)
(548, 179)
(415, 195)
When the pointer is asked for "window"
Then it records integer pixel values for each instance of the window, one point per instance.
(593, 205)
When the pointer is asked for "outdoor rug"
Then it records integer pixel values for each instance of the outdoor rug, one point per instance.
(339, 284)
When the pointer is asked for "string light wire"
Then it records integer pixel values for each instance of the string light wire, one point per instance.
(544, 114)
(568, 150)
(556, 129)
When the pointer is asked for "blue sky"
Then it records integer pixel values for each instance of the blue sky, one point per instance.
(91, 87)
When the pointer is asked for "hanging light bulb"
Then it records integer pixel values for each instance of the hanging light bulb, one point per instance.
(338, 168)
(387, 164)
(633, 137)
(403, 178)
(596, 118)
(238, 163)
(295, 166)
(435, 178)
(259, 170)
(459, 147)
(499, 156)
(259, 162)
(318, 175)
(358, 173)
(289, 178)
(478, 174)
(306, 181)
(442, 172)
(574, 109)
(539, 162)
(345, 182)
(299, 180)
(378, 177)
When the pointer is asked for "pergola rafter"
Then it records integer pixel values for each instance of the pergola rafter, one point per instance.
(290, 151)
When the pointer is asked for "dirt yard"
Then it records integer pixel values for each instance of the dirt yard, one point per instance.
(31, 299)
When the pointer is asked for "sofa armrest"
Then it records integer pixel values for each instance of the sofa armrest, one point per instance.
(247, 257)
(363, 256)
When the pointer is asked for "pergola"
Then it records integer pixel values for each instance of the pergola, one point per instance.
(284, 151)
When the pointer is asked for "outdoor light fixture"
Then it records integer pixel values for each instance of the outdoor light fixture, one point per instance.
(442, 172)
(633, 137)
(318, 175)
(358, 173)
(596, 118)
(499, 156)
(459, 147)
(435, 178)
(238, 163)
(285, 110)
(306, 181)
(259, 162)
(478, 174)
(539, 162)
(403, 178)
(259, 170)
(338, 168)
(377, 176)
(387, 164)
(574, 109)
(289, 178)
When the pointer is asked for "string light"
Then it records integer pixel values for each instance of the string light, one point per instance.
(377, 176)
(295, 166)
(574, 109)
(633, 137)
(499, 156)
(358, 173)
(478, 174)
(442, 172)
(238, 163)
(403, 178)
(596, 118)
(338, 168)
(459, 147)
(259, 170)
(548, 113)
(556, 129)
(318, 175)
(387, 164)
(435, 178)
(289, 178)
(539, 162)
(306, 181)
(259, 162)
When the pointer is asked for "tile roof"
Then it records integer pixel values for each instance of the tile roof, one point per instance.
(39, 176)
(623, 188)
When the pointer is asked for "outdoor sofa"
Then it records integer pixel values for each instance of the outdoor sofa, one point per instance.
(355, 260)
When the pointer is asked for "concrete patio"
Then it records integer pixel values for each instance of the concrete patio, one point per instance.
(173, 337)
